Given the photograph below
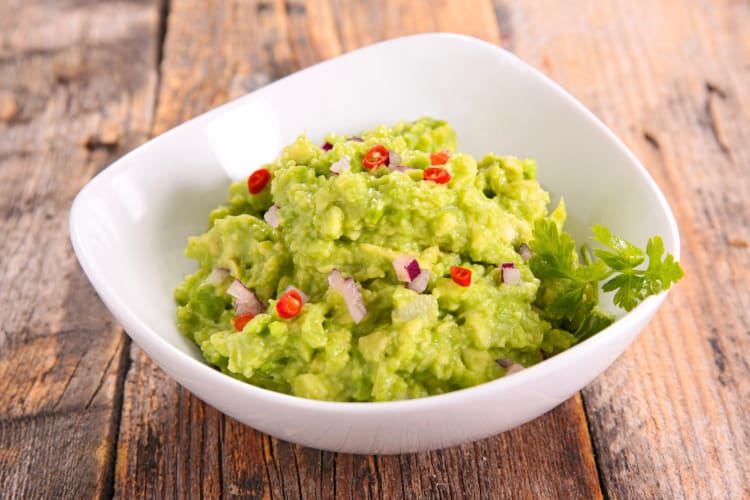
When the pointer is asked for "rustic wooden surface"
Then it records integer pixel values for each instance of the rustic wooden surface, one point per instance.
(84, 413)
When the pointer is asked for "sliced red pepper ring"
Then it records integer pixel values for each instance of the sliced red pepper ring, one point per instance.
(258, 180)
(289, 305)
(440, 158)
(241, 320)
(461, 275)
(375, 156)
(439, 175)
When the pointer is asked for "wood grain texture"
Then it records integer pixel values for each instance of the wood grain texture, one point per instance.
(672, 79)
(173, 445)
(67, 108)
(79, 86)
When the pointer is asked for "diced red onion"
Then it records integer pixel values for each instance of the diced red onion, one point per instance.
(420, 283)
(302, 294)
(515, 367)
(272, 216)
(327, 146)
(511, 276)
(401, 168)
(355, 139)
(406, 267)
(509, 365)
(218, 274)
(248, 307)
(413, 269)
(525, 252)
(343, 164)
(335, 279)
(239, 291)
(352, 294)
(394, 159)
(394, 162)
(507, 265)
(244, 299)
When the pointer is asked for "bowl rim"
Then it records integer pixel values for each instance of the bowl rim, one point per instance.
(170, 357)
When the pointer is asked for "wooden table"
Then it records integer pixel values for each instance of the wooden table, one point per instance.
(83, 412)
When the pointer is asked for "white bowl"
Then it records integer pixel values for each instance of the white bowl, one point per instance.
(130, 224)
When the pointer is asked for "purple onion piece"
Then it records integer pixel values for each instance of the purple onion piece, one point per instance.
(412, 268)
(509, 365)
(420, 283)
(402, 168)
(511, 276)
(525, 252)
(351, 293)
(217, 275)
(504, 362)
(343, 164)
(394, 159)
(507, 265)
(327, 146)
(404, 267)
(244, 298)
(248, 307)
(514, 368)
(272, 216)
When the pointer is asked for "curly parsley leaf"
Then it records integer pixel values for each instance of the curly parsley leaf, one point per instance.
(595, 271)
(553, 252)
(624, 256)
(568, 297)
(661, 273)
(633, 285)
(565, 304)
(629, 290)
(594, 322)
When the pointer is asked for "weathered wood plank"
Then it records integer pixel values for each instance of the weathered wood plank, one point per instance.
(173, 445)
(67, 108)
(178, 447)
(670, 419)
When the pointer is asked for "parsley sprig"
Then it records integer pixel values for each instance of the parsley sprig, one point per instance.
(568, 296)
(633, 285)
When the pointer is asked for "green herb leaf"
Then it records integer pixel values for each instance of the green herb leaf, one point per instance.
(568, 294)
(596, 321)
(660, 273)
(553, 252)
(566, 305)
(595, 271)
(625, 255)
(630, 290)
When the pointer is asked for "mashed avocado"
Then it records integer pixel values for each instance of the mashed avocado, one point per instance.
(358, 221)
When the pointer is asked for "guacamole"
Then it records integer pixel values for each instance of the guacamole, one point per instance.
(380, 267)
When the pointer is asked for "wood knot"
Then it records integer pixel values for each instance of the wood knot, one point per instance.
(108, 138)
(9, 108)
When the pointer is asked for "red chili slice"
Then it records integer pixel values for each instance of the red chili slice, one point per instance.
(461, 275)
(440, 158)
(439, 175)
(289, 304)
(375, 156)
(258, 180)
(241, 320)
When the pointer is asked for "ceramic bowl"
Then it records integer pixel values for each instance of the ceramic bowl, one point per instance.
(130, 224)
